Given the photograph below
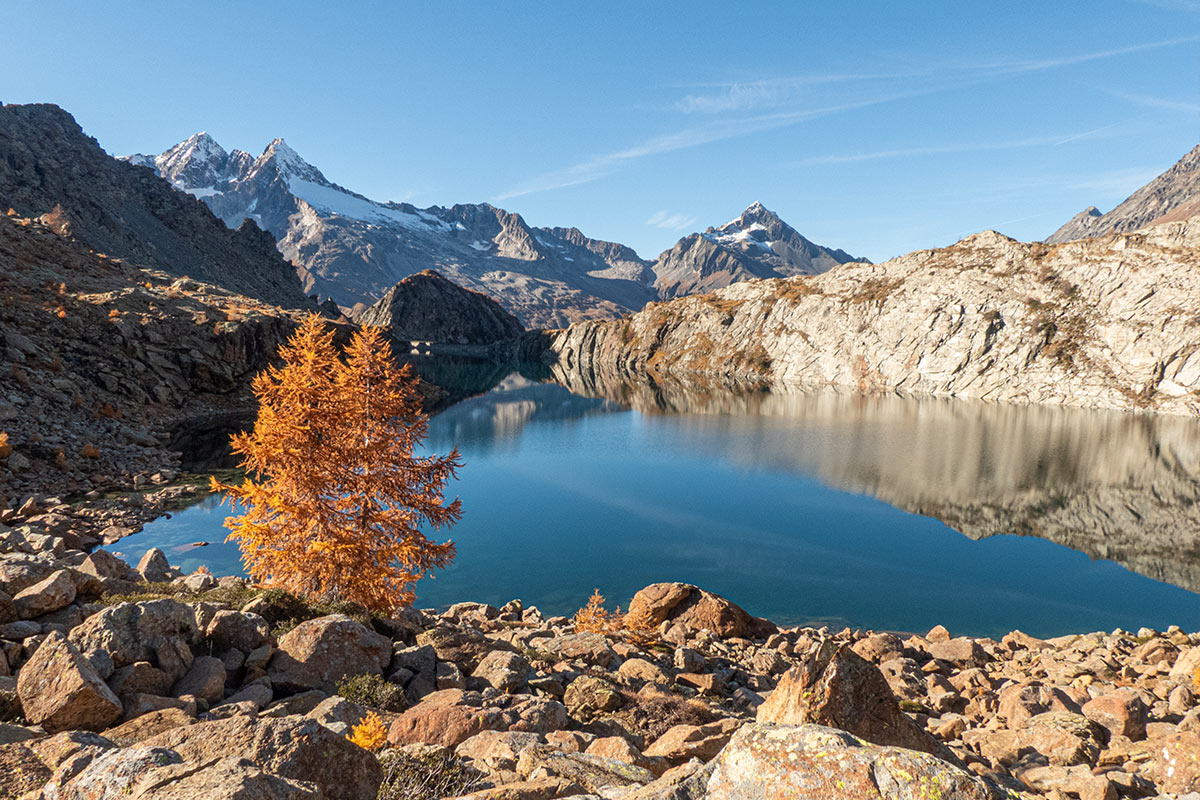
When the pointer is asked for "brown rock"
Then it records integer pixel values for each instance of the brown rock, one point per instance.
(154, 567)
(642, 670)
(696, 609)
(539, 789)
(465, 647)
(237, 629)
(51, 594)
(231, 778)
(1122, 712)
(682, 742)
(161, 632)
(206, 679)
(1063, 738)
(587, 696)
(318, 653)
(596, 774)
(961, 652)
(503, 670)
(451, 716)
(23, 771)
(139, 677)
(60, 690)
(879, 647)
(836, 687)
(620, 749)
(496, 750)
(591, 648)
(147, 725)
(1174, 764)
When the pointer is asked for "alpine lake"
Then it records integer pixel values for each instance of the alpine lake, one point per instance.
(877, 512)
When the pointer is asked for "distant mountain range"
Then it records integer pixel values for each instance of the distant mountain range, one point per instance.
(353, 249)
(1171, 197)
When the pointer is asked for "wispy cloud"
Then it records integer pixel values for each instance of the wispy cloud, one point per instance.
(1185, 6)
(973, 147)
(1150, 101)
(750, 96)
(671, 222)
(718, 130)
(999, 68)
(768, 93)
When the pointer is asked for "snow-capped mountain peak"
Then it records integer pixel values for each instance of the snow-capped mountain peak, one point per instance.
(288, 163)
(198, 162)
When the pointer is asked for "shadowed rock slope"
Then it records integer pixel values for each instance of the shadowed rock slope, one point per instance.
(428, 307)
(1107, 323)
(48, 162)
(98, 357)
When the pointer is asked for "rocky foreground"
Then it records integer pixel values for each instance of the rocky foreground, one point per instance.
(144, 683)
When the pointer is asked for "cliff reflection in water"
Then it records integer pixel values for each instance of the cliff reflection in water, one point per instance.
(1120, 487)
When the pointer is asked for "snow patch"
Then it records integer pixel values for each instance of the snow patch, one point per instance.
(335, 201)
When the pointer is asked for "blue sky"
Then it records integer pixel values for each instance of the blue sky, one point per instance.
(877, 127)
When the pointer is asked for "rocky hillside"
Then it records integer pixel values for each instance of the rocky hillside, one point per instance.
(47, 164)
(1106, 323)
(1171, 197)
(144, 683)
(98, 357)
(353, 249)
(428, 308)
(758, 244)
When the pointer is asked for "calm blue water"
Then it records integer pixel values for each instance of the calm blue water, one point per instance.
(794, 507)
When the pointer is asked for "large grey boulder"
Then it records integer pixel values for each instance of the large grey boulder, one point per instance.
(161, 632)
(813, 762)
(291, 747)
(320, 652)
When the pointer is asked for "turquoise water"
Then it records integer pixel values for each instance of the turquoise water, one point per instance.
(809, 508)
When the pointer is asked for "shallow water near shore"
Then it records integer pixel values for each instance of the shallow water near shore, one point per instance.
(883, 513)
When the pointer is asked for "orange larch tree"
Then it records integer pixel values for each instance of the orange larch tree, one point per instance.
(334, 498)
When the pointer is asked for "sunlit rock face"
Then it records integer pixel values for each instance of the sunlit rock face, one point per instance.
(1106, 323)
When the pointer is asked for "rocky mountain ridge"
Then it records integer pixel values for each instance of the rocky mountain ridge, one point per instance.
(353, 249)
(1104, 323)
(758, 244)
(1171, 197)
(48, 164)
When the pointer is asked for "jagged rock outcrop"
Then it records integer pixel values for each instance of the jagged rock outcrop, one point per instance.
(758, 244)
(353, 249)
(429, 308)
(1171, 197)
(1106, 323)
(47, 163)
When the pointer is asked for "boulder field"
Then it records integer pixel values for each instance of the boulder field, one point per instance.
(121, 681)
